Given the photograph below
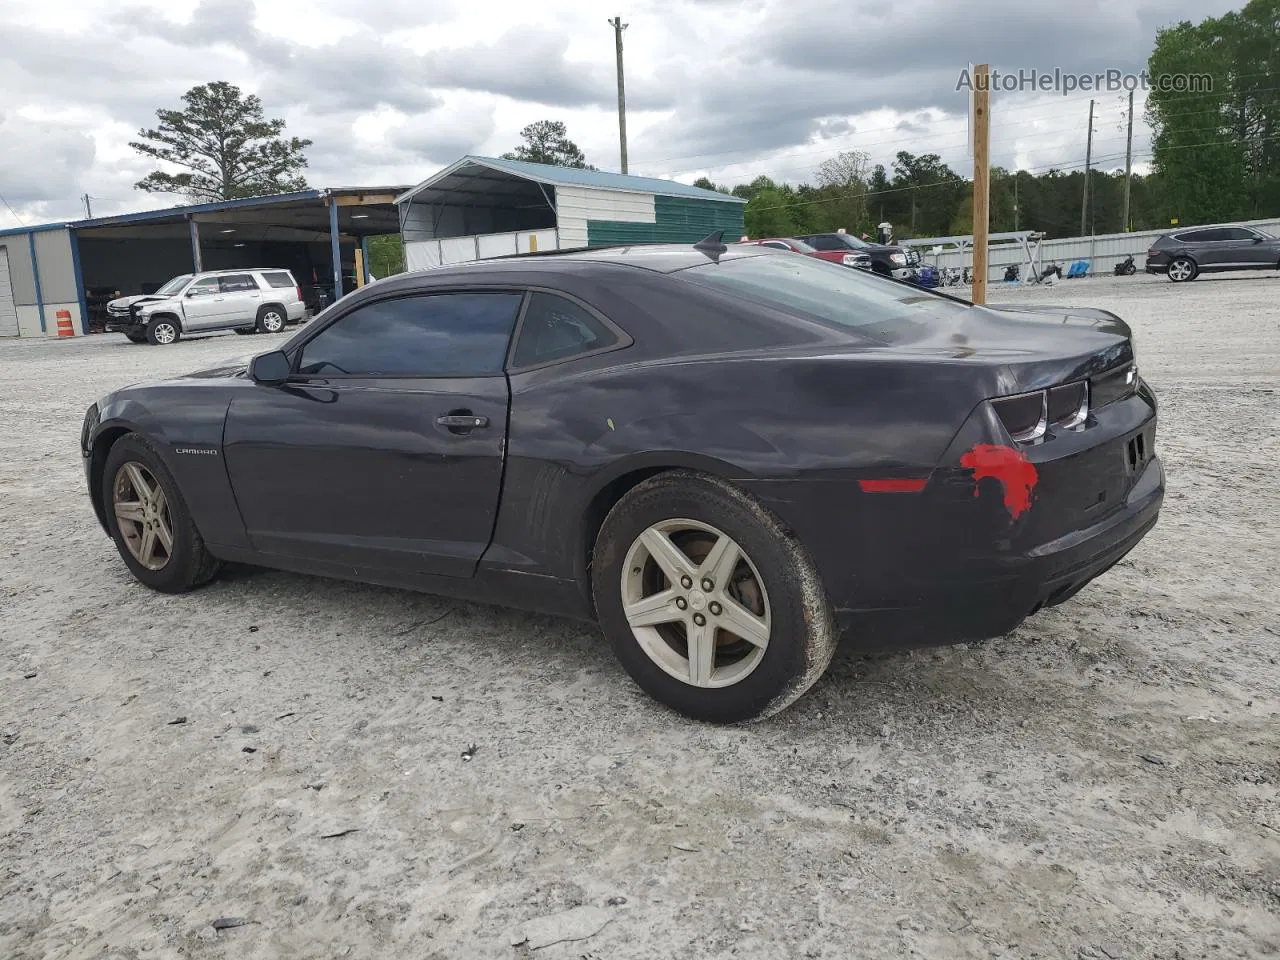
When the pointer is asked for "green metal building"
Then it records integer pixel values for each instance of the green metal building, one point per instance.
(483, 207)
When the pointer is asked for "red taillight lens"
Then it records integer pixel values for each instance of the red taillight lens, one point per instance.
(298, 291)
(1025, 416)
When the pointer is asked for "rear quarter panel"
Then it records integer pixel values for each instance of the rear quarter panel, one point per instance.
(767, 424)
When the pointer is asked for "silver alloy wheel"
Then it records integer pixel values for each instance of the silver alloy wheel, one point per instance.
(1180, 270)
(272, 321)
(696, 604)
(142, 514)
(165, 332)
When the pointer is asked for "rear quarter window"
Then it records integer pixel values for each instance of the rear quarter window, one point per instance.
(278, 278)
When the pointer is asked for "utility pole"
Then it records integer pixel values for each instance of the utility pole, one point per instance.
(1128, 164)
(88, 210)
(981, 178)
(1015, 201)
(1088, 159)
(618, 27)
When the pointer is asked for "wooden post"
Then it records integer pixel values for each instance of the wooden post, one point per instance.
(359, 268)
(981, 178)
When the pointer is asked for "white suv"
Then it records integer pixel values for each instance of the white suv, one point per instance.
(246, 301)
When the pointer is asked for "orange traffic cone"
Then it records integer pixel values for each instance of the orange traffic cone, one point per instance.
(65, 329)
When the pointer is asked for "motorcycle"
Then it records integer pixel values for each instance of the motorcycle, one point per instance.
(1126, 267)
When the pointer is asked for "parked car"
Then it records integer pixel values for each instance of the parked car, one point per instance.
(891, 260)
(1184, 255)
(842, 257)
(247, 301)
(725, 455)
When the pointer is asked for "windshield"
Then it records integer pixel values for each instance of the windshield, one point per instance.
(852, 242)
(174, 285)
(819, 290)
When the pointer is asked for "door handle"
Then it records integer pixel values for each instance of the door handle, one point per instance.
(462, 421)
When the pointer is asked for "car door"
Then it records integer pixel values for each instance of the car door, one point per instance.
(1249, 249)
(384, 449)
(200, 304)
(241, 299)
(1208, 247)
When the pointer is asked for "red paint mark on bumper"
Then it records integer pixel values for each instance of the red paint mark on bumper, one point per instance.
(1016, 474)
(892, 486)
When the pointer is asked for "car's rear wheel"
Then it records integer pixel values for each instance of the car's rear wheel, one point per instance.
(162, 331)
(711, 605)
(271, 320)
(1182, 269)
(149, 520)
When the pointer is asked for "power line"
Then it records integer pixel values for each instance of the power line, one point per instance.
(12, 211)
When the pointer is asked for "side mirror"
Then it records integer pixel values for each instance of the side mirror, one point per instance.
(1257, 239)
(269, 369)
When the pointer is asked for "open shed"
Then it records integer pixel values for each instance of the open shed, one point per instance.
(482, 207)
(70, 270)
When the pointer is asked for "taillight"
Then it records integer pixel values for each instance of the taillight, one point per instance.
(298, 291)
(1068, 405)
(1028, 416)
(1025, 416)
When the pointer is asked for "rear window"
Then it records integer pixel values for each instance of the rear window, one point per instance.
(279, 278)
(827, 292)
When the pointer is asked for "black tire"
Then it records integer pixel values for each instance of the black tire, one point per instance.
(802, 638)
(272, 319)
(135, 337)
(1185, 262)
(163, 330)
(246, 330)
(189, 564)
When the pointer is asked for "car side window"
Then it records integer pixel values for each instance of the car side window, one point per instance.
(203, 288)
(555, 328)
(428, 335)
(777, 244)
(237, 283)
(279, 279)
(1239, 233)
(824, 243)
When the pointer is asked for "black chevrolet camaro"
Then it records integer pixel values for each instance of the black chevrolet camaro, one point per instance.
(728, 456)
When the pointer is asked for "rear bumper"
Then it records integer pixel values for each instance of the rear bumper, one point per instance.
(991, 599)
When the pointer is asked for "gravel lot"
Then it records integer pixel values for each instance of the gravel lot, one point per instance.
(1102, 783)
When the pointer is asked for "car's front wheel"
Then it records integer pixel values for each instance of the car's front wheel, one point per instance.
(162, 331)
(713, 608)
(135, 337)
(149, 520)
(1182, 269)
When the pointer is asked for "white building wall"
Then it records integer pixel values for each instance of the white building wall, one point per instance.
(421, 254)
(588, 203)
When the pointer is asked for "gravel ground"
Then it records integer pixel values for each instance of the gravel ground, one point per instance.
(289, 751)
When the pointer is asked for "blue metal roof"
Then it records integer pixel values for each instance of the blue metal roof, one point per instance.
(574, 177)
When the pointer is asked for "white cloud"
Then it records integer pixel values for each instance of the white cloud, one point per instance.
(391, 90)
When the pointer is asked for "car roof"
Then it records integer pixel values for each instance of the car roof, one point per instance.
(219, 273)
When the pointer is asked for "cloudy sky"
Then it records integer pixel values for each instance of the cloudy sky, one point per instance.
(391, 90)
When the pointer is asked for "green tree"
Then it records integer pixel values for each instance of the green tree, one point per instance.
(1217, 152)
(843, 180)
(547, 141)
(226, 145)
(386, 255)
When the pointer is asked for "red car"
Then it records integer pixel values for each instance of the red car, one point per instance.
(844, 257)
